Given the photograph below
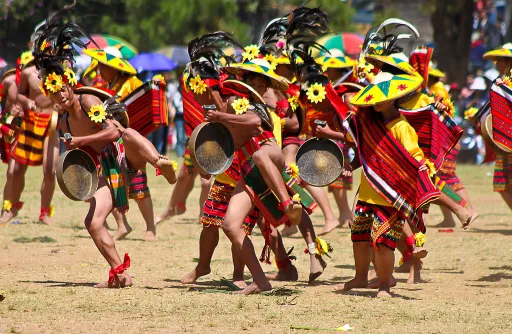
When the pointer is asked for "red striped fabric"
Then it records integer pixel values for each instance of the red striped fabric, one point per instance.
(193, 112)
(501, 110)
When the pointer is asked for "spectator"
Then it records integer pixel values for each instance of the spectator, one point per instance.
(174, 97)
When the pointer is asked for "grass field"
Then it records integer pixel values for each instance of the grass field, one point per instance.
(47, 274)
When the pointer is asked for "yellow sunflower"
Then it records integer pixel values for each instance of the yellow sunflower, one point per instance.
(197, 85)
(431, 168)
(470, 113)
(53, 83)
(294, 169)
(251, 52)
(26, 57)
(97, 113)
(240, 105)
(71, 76)
(316, 93)
(174, 165)
(7, 205)
(272, 60)
(322, 247)
(294, 102)
(44, 45)
(51, 212)
(420, 239)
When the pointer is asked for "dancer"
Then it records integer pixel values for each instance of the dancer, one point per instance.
(94, 126)
(34, 145)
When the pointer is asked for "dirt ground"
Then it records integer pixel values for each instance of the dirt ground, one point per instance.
(46, 286)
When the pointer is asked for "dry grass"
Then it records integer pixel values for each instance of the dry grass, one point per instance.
(48, 286)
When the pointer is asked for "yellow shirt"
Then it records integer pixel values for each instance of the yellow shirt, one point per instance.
(406, 135)
(439, 90)
(419, 100)
(126, 85)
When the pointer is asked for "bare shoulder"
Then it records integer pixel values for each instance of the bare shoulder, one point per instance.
(90, 100)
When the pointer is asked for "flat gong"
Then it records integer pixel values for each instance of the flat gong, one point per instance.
(320, 161)
(212, 148)
(487, 134)
(77, 175)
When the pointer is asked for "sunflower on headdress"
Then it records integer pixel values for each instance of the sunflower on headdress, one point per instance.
(272, 60)
(53, 82)
(316, 93)
(197, 85)
(240, 105)
(26, 57)
(294, 102)
(97, 113)
(44, 45)
(41, 88)
(71, 76)
(251, 52)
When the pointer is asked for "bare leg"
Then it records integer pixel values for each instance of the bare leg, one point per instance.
(289, 153)
(123, 228)
(180, 193)
(385, 261)
(18, 184)
(8, 180)
(317, 264)
(146, 208)
(507, 197)
(50, 157)
(415, 271)
(208, 241)
(276, 245)
(270, 161)
(461, 212)
(238, 269)
(363, 254)
(100, 206)
(205, 189)
(345, 212)
(239, 207)
(140, 151)
(448, 220)
(320, 197)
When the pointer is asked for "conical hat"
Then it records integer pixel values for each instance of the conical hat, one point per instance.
(284, 59)
(386, 87)
(111, 56)
(505, 51)
(397, 60)
(260, 66)
(336, 59)
(434, 72)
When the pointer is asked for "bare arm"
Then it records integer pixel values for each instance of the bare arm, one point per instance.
(23, 90)
(249, 120)
(102, 138)
(292, 122)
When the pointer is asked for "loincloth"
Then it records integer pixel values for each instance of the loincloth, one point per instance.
(502, 173)
(29, 147)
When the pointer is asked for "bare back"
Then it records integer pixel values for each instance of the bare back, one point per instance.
(29, 86)
(10, 91)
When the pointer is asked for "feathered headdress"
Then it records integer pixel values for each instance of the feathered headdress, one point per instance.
(206, 53)
(379, 41)
(54, 50)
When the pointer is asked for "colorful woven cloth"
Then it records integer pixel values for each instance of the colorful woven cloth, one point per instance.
(216, 206)
(437, 132)
(113, 168)
(390, 169)
(378, 225)
(447, 171)
(294, 188)
(139, 186)
(29, 146)
(502, 173)
(193, 112)
(501, 110)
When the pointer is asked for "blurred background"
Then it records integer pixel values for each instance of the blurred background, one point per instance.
(155, 34)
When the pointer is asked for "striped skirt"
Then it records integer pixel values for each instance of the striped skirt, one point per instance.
(447, 171)
(29, 147)
(502, 173)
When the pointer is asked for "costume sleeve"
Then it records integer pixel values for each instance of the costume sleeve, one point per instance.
(407, 136)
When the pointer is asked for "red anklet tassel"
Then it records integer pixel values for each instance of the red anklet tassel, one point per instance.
(44, 211)
(283, 264)
(120, 269)
(157, 170)
(409, 243)
(284, 204)
(181, 206)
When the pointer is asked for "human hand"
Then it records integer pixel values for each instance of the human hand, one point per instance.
(70, 142)
(212, 116)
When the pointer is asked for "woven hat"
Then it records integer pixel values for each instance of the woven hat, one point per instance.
(397, 60)
(386, 87)
(259, 66)
(434, 72)
(336, 59)
(505, 51)
(111, 56)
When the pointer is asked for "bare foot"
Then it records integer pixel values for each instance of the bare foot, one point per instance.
(46, 220)
(344, 222)
(168, 213)
(474, 216)
(254, 289)
(352, 284)
(446, 223)
(415, 272)
(192, 276)
(385, 293)
(289, 230)
(464, 216)
(7, 216)
(329, 226)
(121, 281)
(419, 252)
(122, 232)
(288, 274)
(241, 284)
(404, 268)
(317, 266)
(372, 274)
(166, 169)
(375, 283)
(294, 212)
(150, 235)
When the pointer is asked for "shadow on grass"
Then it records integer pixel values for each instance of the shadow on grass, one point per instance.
(57, 284)
(502, 232)
(372, 294)
(345, 266)
(25, 240)
(509, 268)
(494, 277)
